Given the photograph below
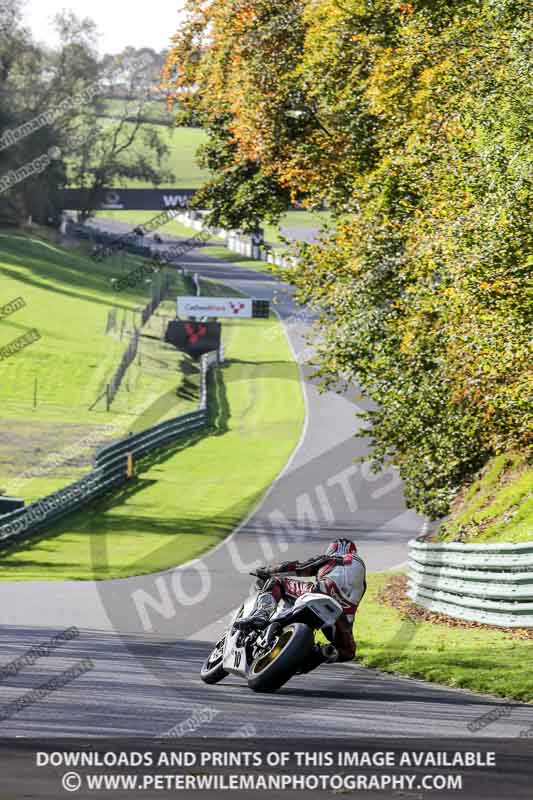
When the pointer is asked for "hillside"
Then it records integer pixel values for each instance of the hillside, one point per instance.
(497, 506)
(48, 390)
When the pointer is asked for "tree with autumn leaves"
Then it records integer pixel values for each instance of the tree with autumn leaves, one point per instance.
(412, 121)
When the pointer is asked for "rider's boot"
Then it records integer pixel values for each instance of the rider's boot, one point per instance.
(260, 616)
(257, 619)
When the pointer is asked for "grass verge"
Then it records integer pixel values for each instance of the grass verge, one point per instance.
(497, 506)
(223, 254)
(189, 497)
(478, 659)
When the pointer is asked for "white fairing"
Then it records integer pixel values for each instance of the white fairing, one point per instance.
(323, 606)
(235, 657)
(350, 579)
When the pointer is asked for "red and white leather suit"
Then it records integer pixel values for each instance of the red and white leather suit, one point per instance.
(341, 576)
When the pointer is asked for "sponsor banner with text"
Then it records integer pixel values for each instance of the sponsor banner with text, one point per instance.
(214, 307)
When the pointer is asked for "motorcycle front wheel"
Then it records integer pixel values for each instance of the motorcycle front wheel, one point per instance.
(212, 670)
(274, 667)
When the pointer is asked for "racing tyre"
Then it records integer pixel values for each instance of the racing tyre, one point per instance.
(272, 669)
(212, 670)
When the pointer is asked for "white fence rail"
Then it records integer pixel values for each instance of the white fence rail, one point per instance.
(489, 583)
(240, 244)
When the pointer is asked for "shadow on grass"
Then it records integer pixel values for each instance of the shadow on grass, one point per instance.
(41, 260)
(76, 270)
(101, 288)
(189, 388)
(218, 408)
(284, 370)
(79, 519)
(160, 408)
(100, 528)
(236, 361)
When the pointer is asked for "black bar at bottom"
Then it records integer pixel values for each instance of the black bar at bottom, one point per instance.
(413, 769)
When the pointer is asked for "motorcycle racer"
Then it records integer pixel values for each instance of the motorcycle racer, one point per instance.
(340, 572)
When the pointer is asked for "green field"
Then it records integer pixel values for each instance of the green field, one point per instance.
(179, 506)
(183, 144)
(225, 255)
(479, 659)
(152, 109)
(46, 390)
(189, 497)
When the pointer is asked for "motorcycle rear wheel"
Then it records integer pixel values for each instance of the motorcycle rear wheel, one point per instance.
(271, 670)
(212, 670)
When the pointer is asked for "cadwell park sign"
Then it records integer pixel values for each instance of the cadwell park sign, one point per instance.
(229, 307)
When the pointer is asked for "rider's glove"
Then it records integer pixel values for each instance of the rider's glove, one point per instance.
(262, 574)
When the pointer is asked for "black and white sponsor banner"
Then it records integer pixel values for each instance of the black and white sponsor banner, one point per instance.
(126, 199)
(490, 769)
(215, 307)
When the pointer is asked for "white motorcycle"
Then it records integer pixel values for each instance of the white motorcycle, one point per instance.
(268, 658)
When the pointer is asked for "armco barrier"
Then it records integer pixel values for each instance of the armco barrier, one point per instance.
(110, 470)
(488, 583)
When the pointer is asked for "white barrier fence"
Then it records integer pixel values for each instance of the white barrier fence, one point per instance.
(488, 583)
(237, 243)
